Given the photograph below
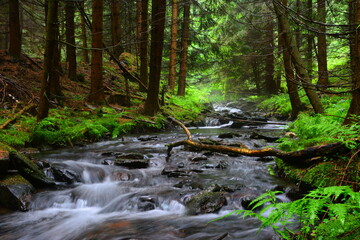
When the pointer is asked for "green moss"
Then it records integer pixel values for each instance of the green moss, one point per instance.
(13, 179)
(335, 229)
(320, 175)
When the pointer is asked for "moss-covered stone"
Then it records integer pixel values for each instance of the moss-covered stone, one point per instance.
(30, 171)
(206, 202)
(15, 192)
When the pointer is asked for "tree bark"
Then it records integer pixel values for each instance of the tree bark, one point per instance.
(85, 52)
(144, 39)
(309, 40)
(157, 42)
(97, 89)
(184, 51)
(296, 57)
(116, 28)
(49, 70)
(289, 76)
(14, 29)
(354, 10)
(323, 80)
(270, 83)
(70, 39)
(173, 45)
(4, 26)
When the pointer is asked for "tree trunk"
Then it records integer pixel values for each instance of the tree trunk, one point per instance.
(289, 76)
(96, 89)
(144, 39)
(4, 26)
(184, 51)
(309, 40)
(51, 44)
(323, 80)
(157, 43)
(138, 27)
(295, 55)
(70, 39)
(14, 29)
(255, 73)
(173, 45)
(270, 83)
(116, 28)
(354, 10)
(85, 52)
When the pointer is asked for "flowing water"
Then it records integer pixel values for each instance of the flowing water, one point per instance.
(113, 202)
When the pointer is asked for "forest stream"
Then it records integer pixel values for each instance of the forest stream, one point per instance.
(105, 201)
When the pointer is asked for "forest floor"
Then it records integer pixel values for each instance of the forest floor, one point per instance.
(72, 117)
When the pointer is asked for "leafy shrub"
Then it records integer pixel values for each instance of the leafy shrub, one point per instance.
(324, 213)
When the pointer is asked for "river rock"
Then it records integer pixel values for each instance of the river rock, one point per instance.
(238, 124)
(64, 175)
(146, 203)
(266, 136)
(147, 138)
(129, 156)
(15, 192)
(226, 135)
(132, 163)
(205, 202)
(175, 172)
(30, 171)
(120, 176)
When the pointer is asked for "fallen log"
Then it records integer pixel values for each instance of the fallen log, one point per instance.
(302, 158)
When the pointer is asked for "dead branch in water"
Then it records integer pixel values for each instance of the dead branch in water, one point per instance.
(301, 158)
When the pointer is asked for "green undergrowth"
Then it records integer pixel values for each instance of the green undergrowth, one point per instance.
(187, 107)
(323, 213)
(318, 130)
(64, 127)
(280, 104)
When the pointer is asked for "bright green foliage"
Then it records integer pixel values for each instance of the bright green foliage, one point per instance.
(20, 133)
(324, 213)
(188, 107)
(279, 104)
(65, 127)
(318, 129)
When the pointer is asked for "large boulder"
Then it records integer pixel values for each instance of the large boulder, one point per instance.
(15, 192)
(30, 171)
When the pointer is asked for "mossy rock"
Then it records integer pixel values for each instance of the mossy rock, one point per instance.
(30, 171)
(15, 192)
(206, 202)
